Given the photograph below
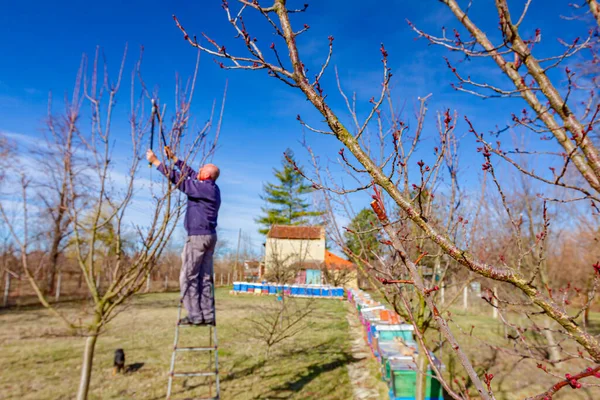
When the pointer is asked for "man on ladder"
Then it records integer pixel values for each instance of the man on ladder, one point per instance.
(200, 222)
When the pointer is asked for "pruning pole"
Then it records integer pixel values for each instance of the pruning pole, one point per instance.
(152, 127)
(160, 125)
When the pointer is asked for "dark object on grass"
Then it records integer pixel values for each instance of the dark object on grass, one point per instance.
(131, 368)
(119, 362)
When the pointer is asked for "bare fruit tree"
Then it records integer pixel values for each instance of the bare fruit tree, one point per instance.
(550, 113)
(101, 226)
(370, 252)
(57, 157)
(280, 320)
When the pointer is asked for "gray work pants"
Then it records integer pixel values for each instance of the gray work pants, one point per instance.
(196, 278)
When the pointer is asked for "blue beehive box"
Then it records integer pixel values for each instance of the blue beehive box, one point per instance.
(236, 286)
(272, 289)
(243, 286)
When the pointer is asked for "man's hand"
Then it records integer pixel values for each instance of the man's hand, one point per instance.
(151, 157)
(169, 153)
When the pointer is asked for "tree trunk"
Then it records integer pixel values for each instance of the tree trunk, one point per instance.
(586, 316)
(86, 367)
(552, 347)
(422, 364)
(57, 237)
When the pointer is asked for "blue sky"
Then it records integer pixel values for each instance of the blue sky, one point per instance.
(42, 44)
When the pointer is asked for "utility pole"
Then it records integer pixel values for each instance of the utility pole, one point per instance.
(237, 254)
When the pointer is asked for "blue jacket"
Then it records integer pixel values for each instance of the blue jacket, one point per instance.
(204, 199)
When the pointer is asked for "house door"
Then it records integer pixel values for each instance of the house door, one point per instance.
(301, 277)
(313, 276)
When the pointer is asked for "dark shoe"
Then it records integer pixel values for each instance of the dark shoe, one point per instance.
(208, 322)
(188, 321)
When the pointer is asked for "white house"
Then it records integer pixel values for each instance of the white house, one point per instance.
(301, 247)
(301, 251)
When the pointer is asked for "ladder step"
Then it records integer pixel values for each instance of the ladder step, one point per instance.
(196, 348)
(195, 326)
(182, 374)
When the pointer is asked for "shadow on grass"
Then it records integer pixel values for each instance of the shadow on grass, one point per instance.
(251, 370)
(330, 346)
(135, 367)
(187, 387)
(314, 370)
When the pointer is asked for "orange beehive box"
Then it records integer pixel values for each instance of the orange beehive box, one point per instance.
(384, 315)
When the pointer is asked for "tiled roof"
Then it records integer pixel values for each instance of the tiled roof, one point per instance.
(336, 262)
(252, 264)
(296, 232)
(308, 264)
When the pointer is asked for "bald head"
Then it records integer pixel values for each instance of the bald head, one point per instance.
(209, 171)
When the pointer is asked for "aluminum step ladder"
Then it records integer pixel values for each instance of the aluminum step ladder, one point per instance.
(212, 368)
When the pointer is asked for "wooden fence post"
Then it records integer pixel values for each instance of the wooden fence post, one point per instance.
(6, 289)
(58, 282)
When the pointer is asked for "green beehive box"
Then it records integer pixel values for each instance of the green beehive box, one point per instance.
(386, 370)
(404, 381)
(389, 332)
(391, 350)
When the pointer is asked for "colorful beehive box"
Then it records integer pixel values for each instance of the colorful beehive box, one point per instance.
(389, 332)
(403, 381)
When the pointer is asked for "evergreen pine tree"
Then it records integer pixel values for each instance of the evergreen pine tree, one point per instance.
(363, 240)
(286, 199)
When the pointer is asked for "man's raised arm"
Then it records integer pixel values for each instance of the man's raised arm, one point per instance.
(174, 176)
(183, 167)
(191, 187)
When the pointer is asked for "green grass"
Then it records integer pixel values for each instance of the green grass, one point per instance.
(39, 361)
